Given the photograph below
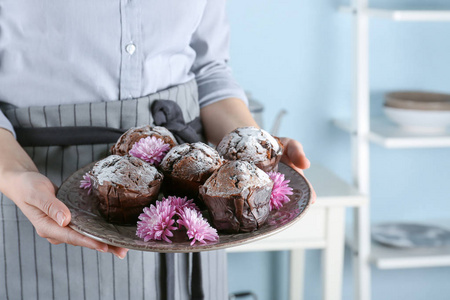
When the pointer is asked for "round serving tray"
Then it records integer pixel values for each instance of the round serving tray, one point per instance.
(87, 220)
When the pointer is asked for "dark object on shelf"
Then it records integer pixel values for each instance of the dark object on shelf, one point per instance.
(242, 295)
(418, 100)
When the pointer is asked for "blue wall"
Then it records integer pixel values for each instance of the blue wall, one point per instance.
(296, 54)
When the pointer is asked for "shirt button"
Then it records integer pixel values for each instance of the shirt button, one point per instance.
(130, 48)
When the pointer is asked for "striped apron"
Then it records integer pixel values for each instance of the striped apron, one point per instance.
(32, 268)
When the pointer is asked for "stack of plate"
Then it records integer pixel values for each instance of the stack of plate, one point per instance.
(419, 111)
(410, 235)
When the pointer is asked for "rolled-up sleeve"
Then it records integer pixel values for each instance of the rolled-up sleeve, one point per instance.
(4, 123)
(211, 44)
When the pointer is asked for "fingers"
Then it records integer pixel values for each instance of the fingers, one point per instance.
(50, 216)
(47, 228)
(295, 157)
(104, 248)
(55, 209)
(313, 192)
(294, 154)
(41, 194)
(53, 241)
(290, 164)
(117, 251)
(69, 236)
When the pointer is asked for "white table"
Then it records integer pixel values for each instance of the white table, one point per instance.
(322, 227)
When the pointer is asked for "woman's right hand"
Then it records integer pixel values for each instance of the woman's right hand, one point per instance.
(34, 194)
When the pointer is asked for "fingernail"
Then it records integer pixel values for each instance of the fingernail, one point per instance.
(117, 255)
(101, 250)
(60, 218)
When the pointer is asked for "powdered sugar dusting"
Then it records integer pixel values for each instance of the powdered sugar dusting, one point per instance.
(127, 171)
(174, 154)
(201, 157)
(149, 131)
(134, 134)
(248, 143)
(234, 177)
(163, 131)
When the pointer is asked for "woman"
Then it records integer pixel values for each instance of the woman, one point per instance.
(79, 64)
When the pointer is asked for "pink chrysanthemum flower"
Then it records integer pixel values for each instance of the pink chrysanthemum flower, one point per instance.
(280, 190)
(198, 229)
(86, 183)
(181, 203)
(150, 149)
(157, 222)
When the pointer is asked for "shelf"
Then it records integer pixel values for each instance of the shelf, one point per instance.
(386, 134)
(403, 15)
(332, 190)
(384, 257)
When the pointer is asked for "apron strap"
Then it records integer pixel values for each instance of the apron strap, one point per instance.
(165, 113)
(66, 136)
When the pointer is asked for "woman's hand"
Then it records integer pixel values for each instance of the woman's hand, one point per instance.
(222, 117)
(295, 157)
(34, 194)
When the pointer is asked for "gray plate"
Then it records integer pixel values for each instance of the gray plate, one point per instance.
(87, 220)
(410, 235)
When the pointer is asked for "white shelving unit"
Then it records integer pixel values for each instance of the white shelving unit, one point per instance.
(365, 130)
(386, 134)
(403, 15)
(322, 227)
(391, 258)
(395, 258)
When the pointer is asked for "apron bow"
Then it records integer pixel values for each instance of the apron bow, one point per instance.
(168, 114)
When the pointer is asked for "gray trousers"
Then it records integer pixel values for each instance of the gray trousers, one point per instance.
(32, 268)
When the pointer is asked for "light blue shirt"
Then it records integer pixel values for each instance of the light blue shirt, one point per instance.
(75, 51)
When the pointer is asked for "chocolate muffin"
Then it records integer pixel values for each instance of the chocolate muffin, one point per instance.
(132, 135)
(187, 166)
(253, 145)
(237, 196)
(124, 185)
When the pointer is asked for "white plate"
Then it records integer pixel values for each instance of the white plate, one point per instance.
(419, 120)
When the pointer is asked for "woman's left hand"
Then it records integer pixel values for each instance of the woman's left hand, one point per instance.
(222, 117)
(295, 157)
